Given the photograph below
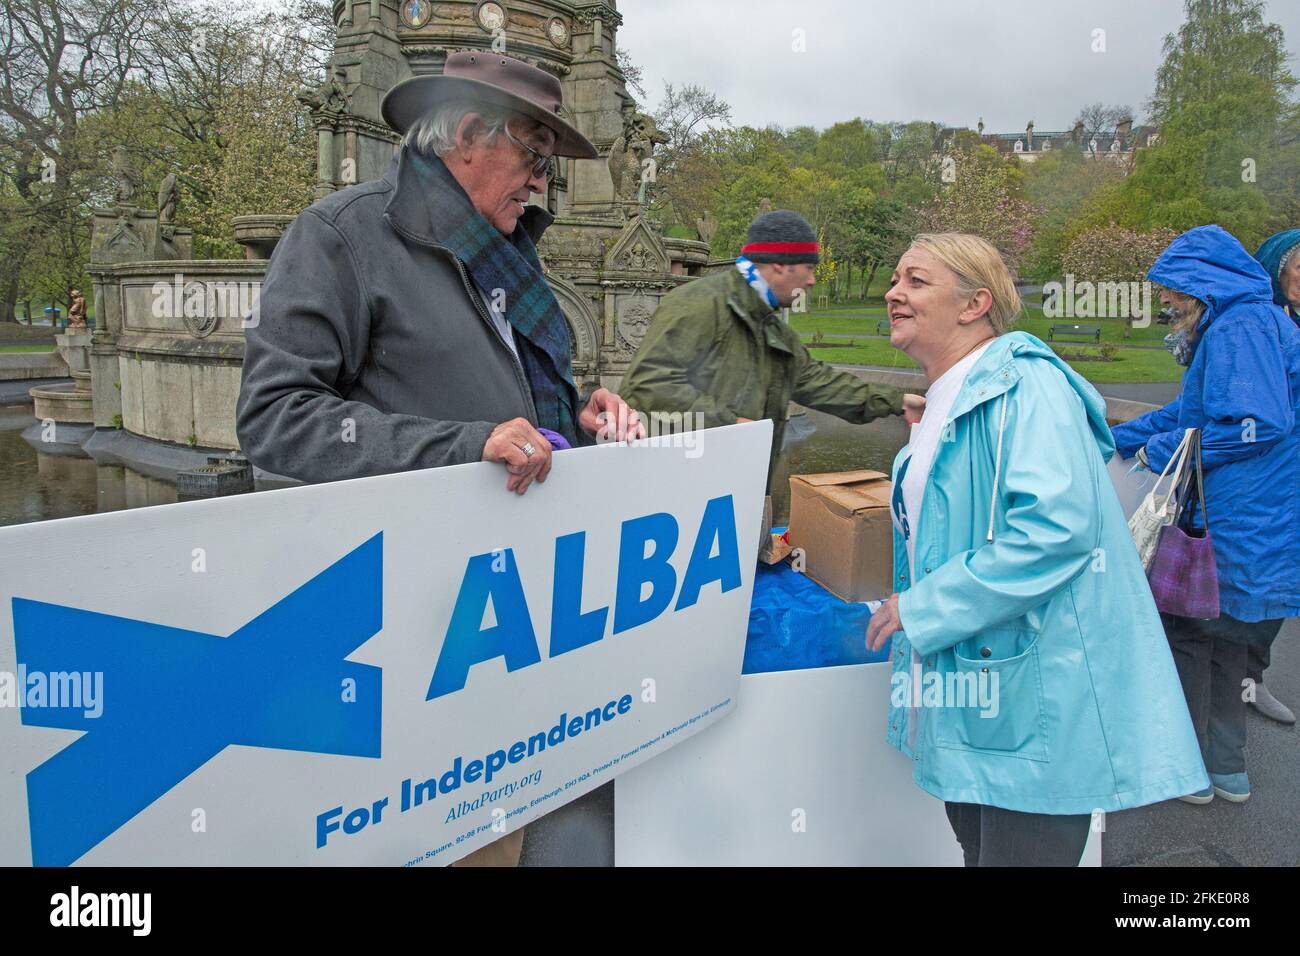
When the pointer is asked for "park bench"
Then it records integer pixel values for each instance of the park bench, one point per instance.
(1088, 331)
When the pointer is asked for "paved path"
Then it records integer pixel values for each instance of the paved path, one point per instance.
(1154, 393)
(1260, 832)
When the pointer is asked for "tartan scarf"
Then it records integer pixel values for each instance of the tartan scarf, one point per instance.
(510, 264)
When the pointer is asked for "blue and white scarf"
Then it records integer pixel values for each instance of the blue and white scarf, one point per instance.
(756, 281)
(1180, 345)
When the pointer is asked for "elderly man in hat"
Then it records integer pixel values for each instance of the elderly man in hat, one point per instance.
(718, 352)
(405, 323)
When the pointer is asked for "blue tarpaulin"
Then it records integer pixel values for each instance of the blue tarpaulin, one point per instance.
(795, 624)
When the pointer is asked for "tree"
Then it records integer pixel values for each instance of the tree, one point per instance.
(62, 61)
(1115, 255)
(1229, 150)
(684, 115)
(1097, 118)
(1225, 56)
(221, 89)
(205, 91)
(633, 75)
(1058, 185)
(985, 199)
(880, 230)
(846, 147)
(827, 265)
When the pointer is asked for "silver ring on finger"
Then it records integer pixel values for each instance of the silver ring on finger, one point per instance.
(528, 449)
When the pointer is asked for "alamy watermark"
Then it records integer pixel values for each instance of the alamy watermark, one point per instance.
(77, 690)
(674, 429)
(953, 689)
(1085, 299)
(208, 300)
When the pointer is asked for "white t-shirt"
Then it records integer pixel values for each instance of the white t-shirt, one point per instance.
(924, 444)
(915, 469)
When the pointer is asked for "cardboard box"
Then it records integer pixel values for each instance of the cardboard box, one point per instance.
(841, 521)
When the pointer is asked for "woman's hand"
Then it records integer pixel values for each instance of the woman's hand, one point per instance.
(883, 624)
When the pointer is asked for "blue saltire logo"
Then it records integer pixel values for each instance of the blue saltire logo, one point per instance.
(174, 699)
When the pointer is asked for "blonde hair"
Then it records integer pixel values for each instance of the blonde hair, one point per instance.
(978, 265)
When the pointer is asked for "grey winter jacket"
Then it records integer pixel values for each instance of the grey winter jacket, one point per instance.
(372, 351)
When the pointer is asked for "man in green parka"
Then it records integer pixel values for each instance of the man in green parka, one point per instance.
(718, 351)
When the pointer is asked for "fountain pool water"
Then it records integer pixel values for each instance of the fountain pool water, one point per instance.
(36, 486)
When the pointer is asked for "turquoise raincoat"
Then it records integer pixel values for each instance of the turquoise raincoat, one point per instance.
(1025, 570)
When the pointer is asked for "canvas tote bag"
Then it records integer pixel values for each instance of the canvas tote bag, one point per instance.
(1158, 508)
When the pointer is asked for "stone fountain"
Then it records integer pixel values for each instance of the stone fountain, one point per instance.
(159, 376)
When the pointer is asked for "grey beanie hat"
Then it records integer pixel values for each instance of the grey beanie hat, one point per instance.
(782, 236)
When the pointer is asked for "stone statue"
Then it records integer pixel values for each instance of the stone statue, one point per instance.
(167, 195)
(706, 227)
(336, 92)
(628, 154)
(123, 175)
(330, 97)
(77, 311)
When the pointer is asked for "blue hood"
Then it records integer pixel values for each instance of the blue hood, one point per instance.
(1270, 257)
(1020, 346)
(1209, 263)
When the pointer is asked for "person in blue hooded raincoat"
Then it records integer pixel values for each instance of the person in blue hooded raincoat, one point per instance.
(1242, 390)
(1280, 257)
(1017, 581)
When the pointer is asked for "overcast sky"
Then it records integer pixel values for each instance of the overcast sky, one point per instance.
(950, 61)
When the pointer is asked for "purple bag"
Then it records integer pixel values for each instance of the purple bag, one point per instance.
(558, 441)
(1183, 575)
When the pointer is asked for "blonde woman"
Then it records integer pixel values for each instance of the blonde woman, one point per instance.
(1020, 596)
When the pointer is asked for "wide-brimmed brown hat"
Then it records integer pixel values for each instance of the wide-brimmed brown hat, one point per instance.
(488, 77)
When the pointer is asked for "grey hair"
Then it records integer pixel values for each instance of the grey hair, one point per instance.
(434, 133)
(1286, 259)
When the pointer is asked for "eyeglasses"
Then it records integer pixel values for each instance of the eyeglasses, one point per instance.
(542, 165)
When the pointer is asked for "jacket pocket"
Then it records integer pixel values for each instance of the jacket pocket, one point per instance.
(999, 682)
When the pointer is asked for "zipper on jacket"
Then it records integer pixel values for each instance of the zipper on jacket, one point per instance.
(521, 379)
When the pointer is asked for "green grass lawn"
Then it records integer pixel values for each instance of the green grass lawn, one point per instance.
(1130, 365)
(38, 313)
(36, 347)
(862, 320)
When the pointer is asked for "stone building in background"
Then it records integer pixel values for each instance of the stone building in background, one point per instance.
(1117, 146)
